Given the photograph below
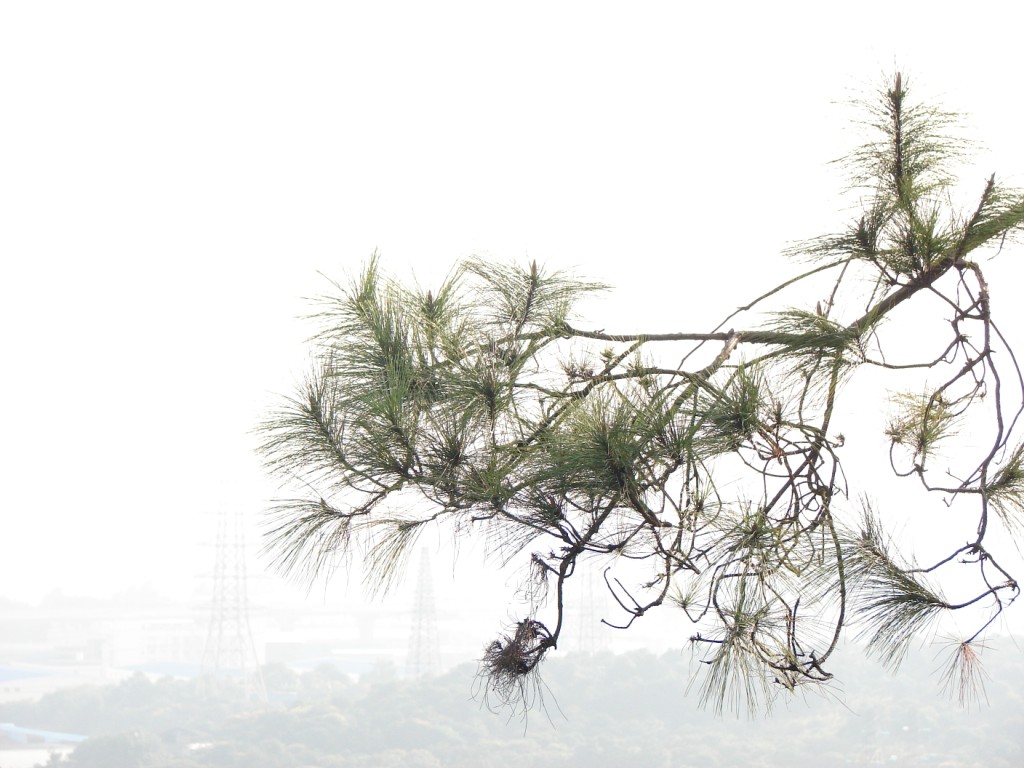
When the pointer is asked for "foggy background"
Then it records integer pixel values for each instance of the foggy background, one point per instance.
(175, 177)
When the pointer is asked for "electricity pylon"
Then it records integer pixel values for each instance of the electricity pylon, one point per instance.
(230, 652)
(593, 606)
(424, 655)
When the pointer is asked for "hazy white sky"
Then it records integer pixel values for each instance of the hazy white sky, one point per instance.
(174, 175)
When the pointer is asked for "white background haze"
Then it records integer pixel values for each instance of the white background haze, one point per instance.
(173, 176)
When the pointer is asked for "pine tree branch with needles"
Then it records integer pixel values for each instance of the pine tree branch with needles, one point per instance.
(716, 484)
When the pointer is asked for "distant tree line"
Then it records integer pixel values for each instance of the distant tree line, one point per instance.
(610, 711)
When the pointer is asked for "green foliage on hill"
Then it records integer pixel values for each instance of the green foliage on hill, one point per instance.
(611, 711)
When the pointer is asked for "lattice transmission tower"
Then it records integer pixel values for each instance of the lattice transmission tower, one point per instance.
(424, 654)
(229, 655)
(593, 606)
